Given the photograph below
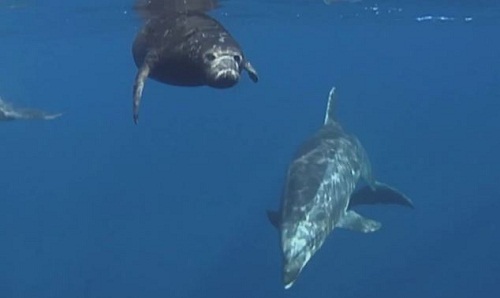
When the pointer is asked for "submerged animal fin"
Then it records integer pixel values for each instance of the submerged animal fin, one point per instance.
(274, 217)
(252, 73)
(330, 107)
(355, 222)
(379, 194)
(140, 79)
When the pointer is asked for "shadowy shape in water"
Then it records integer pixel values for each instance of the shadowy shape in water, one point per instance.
(8, 113)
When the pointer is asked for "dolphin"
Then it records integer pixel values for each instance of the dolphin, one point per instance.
(320, 190)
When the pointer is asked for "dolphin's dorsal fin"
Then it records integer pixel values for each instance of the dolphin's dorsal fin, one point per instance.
(330, 107)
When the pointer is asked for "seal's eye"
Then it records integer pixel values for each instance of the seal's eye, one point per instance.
(237, 58)
(210, 57)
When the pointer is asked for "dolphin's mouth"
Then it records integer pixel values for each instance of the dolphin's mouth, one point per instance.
(296, 256)
(290, 274)
(289, 279)
(289, 285)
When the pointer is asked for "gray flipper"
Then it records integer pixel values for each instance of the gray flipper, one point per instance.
(355, 222)
(252, 73)
(274, 217)
(330, 107)
(379, 194)
(140, 79)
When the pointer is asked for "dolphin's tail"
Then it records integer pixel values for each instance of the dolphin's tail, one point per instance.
(330, 107)
(380, 194)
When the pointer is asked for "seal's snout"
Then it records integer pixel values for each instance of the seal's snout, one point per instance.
(224, 72)
(226, 78)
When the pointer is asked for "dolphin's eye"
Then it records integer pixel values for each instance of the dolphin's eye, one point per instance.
(237, 58)
(210, 57)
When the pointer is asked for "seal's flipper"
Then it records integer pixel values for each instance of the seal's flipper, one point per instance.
(355, 222)
(142, 75)
(380, 194)
(275, 218)
(252, 73)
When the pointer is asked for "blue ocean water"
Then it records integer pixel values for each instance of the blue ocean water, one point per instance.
(93, 206)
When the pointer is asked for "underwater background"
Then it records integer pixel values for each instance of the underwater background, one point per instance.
(92, 205)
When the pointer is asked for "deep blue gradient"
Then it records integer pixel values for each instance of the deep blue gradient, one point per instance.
(93, 206)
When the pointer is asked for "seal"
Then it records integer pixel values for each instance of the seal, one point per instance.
(8, 113)
(320, 191)
(181, 45)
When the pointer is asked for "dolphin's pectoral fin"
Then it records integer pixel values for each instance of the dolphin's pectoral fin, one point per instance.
(252, 73)
(379, 194)
(275, 218)
(355, 222)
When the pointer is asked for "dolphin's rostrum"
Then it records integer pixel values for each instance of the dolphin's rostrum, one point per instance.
(320, 191)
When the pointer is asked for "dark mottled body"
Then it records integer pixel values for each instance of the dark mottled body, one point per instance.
(318, 192)
(177, 43)
(181, 45)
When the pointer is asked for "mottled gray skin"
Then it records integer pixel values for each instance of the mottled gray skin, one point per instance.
(320, 181)
(187, 49)
(317, 194)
